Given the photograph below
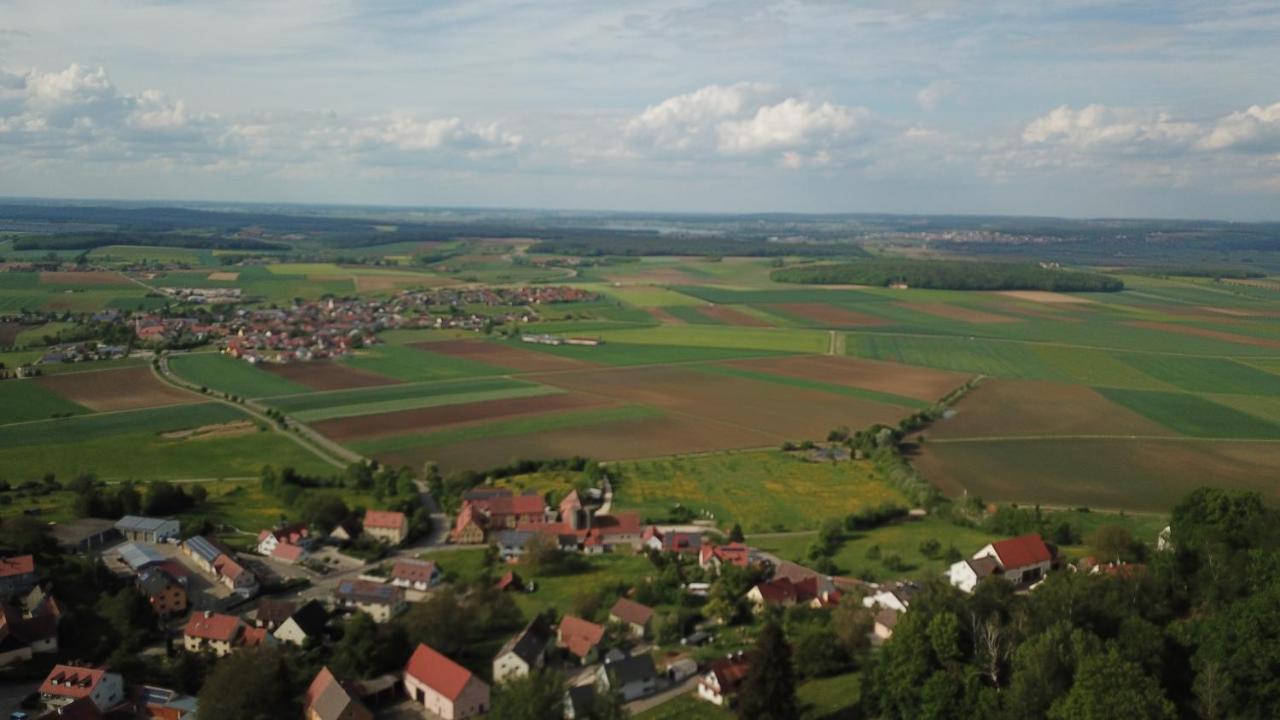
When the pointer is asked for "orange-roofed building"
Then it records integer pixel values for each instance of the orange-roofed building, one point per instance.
(329, 699)
(386, 525)
(469, 528)
(580, 637)
(211, 631)
(443, 687)
(67, 683)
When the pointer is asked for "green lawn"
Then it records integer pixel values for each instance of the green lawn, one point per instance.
(820, 699)
(686, 707)
(1192, 415)
(24, 400)
(761, 490)
(414, 365)
(228, 375)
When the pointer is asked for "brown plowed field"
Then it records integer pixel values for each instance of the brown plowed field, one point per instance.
(957, 312)
(9, 333)
(403, 422)
(107, 390)
(778, 410)
(830, 315)
(326, 375)
(1207, 333)
(906, 380)
(1013, 408)
(664, 317)
(732, 316)
(624, 440)
(503, 355)
(1111, 474)
(95, 277)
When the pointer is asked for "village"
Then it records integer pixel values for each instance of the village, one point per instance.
(295, 587)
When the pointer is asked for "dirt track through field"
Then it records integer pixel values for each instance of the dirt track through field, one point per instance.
(327, 375)
(422, 420)
(906, 380)
(502, 355)
(109, 390)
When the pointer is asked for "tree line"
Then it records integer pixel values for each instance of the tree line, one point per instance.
(948, 275)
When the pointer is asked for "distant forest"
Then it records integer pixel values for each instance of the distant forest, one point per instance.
(89, 241)
(691, 246)
(949, 275)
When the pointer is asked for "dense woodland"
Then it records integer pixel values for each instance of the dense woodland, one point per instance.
(948, 275)
(677, 245)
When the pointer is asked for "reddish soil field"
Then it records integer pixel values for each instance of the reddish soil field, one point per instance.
(501, 355)
(830, 315)
(732, 316)
(957, 312)
(404, 422)
(97, 277)
(624, 440)
(326, 375)
(1020, 408)
(9, 333)
(107, 390)
(1207, 333)
(664, 317)
(769, 408)
(906, 380)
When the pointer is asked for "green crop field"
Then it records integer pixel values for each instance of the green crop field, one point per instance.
(1193, 415)
(412, 403)
(1206, 374)
(795, 340)
(229, 375)
(760, 490)
(24, 400)
(971, 355)
(414, 365)
(628, 353)
(880, 397)
(82, 428)
(309, 401)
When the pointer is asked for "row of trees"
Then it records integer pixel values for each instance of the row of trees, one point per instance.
(948, 275)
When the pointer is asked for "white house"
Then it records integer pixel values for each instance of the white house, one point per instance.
(524, 652)
(443, 687)
(1023, 561)
(892, 596)
(66, 683)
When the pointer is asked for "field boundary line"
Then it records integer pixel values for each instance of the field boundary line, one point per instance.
(1053, 343)
(1042, 438)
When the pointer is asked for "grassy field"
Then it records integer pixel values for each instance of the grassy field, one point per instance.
(630, 353)
(796, 382)
(24, 400)
(412, 403)
(226, 374)
(82, 428)
(796, 340)
(414, 365)
(760, 490)
(338, 403)
(1193, 415)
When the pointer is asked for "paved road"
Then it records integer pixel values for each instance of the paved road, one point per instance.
(635, 707)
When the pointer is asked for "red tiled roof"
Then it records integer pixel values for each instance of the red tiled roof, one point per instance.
(1021, 551)
(224, 565)
(579, 636)
(387, 519)
(509, 579)
(322, 681)
(413, 570)
(72, 682)
(631, 612)
(20, 565)
(253, 637)
(625, 523)
(516, 505)
(730, 672)
(287, 552)
(214, 626)
(438, 672)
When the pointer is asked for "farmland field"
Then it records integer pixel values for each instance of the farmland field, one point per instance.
(326, 375)
(25, 400)
(410, 364)
(109, 390)
(229, 375)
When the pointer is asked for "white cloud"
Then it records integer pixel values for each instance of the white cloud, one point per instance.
(791, 123)
(1257, 128)
(683, 121)
(1099, 126)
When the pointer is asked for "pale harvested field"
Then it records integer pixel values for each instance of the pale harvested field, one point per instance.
(1011, 408)
(785, 413)
(502, 355)
(957, 312)
(830, 315)
(422, 420)
(731, 316)
(1207, 333)
(906, 380)
(95, 277)
(326, 375)
(107, 390)
(623, 440)
(1041, 296)
(224, 276)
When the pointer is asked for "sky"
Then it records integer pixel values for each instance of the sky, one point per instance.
(1159, 108)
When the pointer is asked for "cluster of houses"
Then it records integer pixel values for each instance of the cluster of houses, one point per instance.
(514, 521)
(546, 339)
(204, 295)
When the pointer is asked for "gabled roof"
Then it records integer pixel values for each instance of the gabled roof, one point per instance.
(438, 672)
(887, 617)
(203, 547)
(274, 612)
(139, 523)
(70, 681)
(366, 591)
(509, 579)
(138, 556)
(1022, 551)
(328, 698)
(579, 636)
(288, 553)
(155, 581)
(413, 570)
(631, 612)
(516, 505)
(730, 671)
(530, 642)
(984, 566)
(311, 618)
(213, 626)
(636, 668)
(18, 565)
(385, 519)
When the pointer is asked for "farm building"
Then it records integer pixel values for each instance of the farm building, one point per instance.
(387, 526)
(138, 557)
(444, 687)
(85, 534)
(138, 528)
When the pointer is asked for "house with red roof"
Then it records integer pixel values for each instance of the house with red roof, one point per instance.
(470, 527)
(723, 679)
(509, 511)
(635, 617)
(580, 637)
(386, 525)
(17, 574)
(1023, 561)
(211, 631)
(327, 698)
(443, 687)
(66, 684)
(415, 574)
(783, 592)
(28, 629)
